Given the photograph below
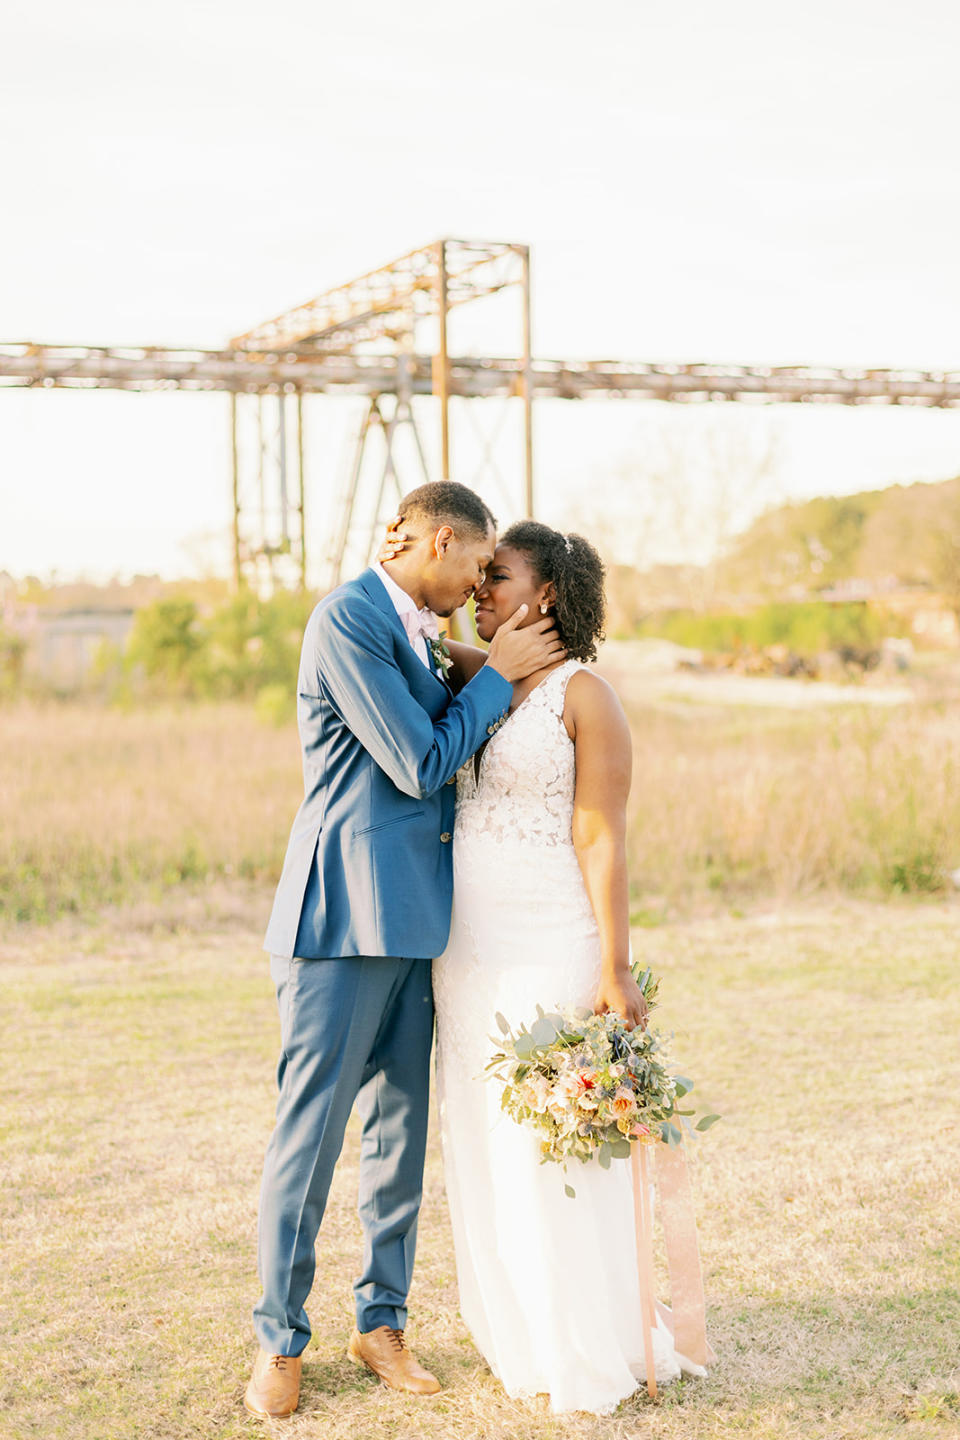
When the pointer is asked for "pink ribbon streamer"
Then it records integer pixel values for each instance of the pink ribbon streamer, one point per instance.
(687, 1318)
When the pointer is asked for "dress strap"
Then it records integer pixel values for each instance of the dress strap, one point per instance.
(556, 684)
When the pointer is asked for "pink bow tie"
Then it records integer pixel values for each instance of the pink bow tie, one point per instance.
(420, 622)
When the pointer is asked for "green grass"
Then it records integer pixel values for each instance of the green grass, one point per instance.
(139, 1051)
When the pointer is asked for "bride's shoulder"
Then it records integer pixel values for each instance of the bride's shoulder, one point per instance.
(586, 682)
(590, 701)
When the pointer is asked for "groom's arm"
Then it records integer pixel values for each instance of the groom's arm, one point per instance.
(467, 660)
(358, 671)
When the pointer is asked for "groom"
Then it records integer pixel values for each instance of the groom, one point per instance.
(362, 907)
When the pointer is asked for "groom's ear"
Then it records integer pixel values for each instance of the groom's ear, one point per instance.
(441, 541)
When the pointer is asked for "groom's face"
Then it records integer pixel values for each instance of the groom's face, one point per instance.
(456, 568)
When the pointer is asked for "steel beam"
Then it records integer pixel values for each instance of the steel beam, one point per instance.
(92, 367)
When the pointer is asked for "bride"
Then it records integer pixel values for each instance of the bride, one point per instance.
(548, 1284)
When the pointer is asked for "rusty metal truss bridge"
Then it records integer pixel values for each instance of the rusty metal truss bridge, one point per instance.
(385, 336)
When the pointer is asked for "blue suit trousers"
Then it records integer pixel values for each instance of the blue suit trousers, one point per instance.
(358, 1029)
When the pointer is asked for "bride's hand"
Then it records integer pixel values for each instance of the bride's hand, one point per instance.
(395, 540)
(620, 992)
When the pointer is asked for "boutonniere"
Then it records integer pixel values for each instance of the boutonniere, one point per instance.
(441, 656)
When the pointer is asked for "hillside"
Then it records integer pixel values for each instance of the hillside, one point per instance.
(907, 533)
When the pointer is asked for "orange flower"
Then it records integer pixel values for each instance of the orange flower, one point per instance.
(623, 1102)
(571, 1086)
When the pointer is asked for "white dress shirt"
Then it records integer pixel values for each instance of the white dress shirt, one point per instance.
(411, 616)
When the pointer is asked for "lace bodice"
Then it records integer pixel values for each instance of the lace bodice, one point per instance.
(524, 794)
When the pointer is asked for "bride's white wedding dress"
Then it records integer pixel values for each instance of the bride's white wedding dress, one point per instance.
(548, 1284)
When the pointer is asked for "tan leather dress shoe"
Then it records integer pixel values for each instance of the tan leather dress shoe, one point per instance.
(274, 1389)
(384, 1352)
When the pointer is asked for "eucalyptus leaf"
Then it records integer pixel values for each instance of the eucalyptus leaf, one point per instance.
(502, 1024)
(707, 1121)
(603, 1156)
(620, 1149)
(569, 1191)
(683, 1085)
(544, 1031)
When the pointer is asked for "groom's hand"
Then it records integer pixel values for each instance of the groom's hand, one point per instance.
(515, 653)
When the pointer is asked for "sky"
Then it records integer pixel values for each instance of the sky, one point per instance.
(752, 183)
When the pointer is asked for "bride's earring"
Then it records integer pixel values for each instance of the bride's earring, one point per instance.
(544, 608)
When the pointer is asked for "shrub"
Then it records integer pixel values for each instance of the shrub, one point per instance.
(12, 650)
(234, 652)
(808, 629)
(168, 646)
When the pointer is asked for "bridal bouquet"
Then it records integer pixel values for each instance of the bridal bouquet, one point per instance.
(589, 1086)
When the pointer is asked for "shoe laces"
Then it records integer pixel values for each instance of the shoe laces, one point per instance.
(278, 1362)
(396, 1337)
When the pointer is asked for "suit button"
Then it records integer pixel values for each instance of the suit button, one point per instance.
(490, 729)
(452, 780)
(446, 837)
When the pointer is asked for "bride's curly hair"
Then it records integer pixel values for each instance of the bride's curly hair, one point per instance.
(576, 571)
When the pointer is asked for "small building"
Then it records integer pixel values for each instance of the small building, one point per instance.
(62, 646)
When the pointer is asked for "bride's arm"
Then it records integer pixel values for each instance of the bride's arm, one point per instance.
(601, 735)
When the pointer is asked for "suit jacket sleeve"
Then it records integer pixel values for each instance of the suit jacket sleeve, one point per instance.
(359, 673)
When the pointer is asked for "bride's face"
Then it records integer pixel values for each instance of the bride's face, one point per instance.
(510, 582)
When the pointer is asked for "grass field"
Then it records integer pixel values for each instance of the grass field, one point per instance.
(139, 1047)
(729, 803)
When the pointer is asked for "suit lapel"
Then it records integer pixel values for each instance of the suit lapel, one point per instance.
(374, 588)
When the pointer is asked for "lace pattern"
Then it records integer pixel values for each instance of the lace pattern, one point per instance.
(527, 773)
(523, 933)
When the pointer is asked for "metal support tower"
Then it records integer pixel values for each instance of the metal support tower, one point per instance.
(267, 488)
(384, 314)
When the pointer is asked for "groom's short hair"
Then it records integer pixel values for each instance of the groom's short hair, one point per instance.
(447, 502)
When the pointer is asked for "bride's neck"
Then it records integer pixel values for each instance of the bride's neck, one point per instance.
(530, 682)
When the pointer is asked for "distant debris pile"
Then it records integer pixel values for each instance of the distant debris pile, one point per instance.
(845, 662)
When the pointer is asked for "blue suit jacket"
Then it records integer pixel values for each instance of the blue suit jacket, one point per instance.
(368, 869)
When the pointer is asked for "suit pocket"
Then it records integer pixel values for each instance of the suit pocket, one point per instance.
(386, 824)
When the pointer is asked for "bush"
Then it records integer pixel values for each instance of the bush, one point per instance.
(12, 650)
(807, 629)
(276, 705)
(236, 651)
(167, 645)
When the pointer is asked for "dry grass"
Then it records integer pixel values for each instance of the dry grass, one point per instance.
(102, 804)
(728, 803)
(786, 804)
(139, 1052)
